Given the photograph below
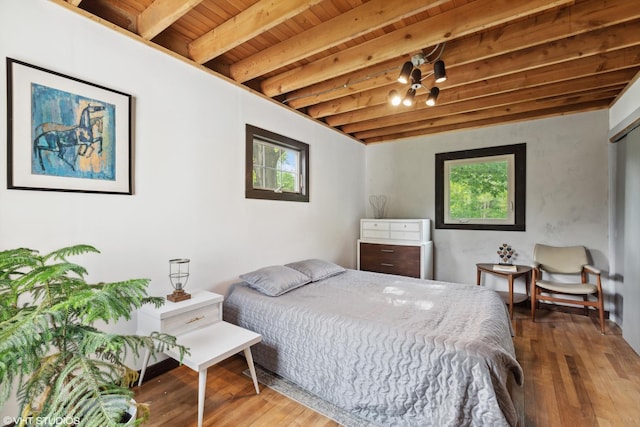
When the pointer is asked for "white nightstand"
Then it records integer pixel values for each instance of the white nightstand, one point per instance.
(197, 324)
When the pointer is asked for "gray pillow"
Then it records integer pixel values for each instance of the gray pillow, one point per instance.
(275, 280)
(316, 269)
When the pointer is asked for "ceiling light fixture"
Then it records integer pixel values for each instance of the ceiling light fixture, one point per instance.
(411, 74)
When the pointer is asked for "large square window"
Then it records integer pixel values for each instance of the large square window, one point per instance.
(482, 189)
(277, 167)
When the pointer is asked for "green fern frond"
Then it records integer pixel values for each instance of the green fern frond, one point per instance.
(156, 301)
(64, 365)
(64, 253)
(13, 260)
(87, 390)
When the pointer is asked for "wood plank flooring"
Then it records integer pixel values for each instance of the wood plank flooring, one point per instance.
(574, 376)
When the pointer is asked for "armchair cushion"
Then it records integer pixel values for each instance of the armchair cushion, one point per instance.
(568, 288)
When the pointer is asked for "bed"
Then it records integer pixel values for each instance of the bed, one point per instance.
(394, 350)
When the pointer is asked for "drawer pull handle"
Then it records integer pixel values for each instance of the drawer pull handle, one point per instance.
(195, 319)
(387, 250)
(384, 264)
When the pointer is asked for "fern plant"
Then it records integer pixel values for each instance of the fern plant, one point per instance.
(68, 371)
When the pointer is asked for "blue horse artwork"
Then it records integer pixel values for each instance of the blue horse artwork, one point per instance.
(73, 136)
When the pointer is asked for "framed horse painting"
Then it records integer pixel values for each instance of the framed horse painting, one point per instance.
(66, 134)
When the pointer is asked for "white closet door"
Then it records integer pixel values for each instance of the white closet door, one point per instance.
(631, 285)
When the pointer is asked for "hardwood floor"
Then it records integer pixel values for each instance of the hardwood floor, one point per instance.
(574, 376)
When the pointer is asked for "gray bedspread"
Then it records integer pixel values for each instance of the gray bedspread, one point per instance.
(394, 350)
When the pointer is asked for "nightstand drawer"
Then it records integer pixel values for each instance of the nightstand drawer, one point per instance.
(175, 318)
(191, 320)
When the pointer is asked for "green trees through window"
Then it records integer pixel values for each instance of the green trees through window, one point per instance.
(479, 190)
(275, 168)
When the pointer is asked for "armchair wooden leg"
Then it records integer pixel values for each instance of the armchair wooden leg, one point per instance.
(601, 311)
(533, 303)
(586, 308)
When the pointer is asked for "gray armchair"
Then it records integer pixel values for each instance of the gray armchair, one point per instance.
(570, 260)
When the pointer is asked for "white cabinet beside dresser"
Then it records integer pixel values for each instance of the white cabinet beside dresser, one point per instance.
(396, 246)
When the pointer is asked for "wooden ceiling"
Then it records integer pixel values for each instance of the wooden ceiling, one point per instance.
(337, 60)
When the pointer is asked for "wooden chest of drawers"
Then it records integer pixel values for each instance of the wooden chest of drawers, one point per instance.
(396, 246)
(391, 259)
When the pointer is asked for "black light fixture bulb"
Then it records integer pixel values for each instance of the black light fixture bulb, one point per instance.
(416, 77)
(433, 96)
(405, 72)
(439, 73)
(395, 98)
(408, 98)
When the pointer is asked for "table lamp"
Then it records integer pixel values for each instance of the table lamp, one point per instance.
(178, 275)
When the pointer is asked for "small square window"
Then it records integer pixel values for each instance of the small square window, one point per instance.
(277, 167)
(482, 189)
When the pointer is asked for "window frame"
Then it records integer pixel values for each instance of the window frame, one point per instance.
(252, 133)
(518, 151)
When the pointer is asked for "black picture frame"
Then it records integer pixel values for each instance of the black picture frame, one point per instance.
(66, 134)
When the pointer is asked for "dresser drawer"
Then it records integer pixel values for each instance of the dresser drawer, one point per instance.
(405, 231)
(390, 259)
(190, 320)
(374, 229)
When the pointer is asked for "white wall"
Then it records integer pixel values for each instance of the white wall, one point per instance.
(189, 166)
(567, 190)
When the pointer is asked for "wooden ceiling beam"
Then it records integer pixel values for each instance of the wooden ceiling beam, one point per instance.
(559, 92)
(579, 46)
(538, 30)
(377, 75)
(555, 71)
(555, 25)
(161, 14)
(510, 118)
(173, 41)
(347, 26)
(463, 20)
(491, 101)
(256, 19)
(501, 111)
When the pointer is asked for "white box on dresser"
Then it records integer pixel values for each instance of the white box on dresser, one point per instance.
(396, 246)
